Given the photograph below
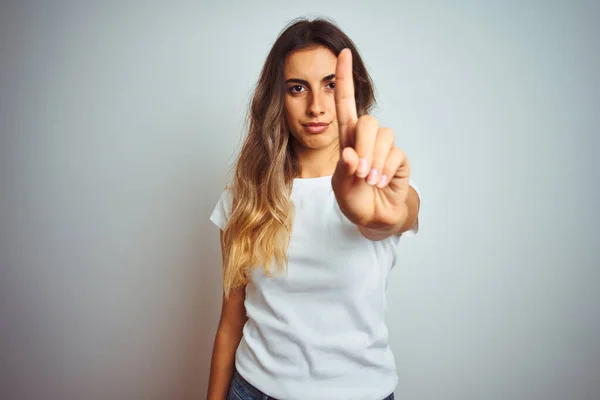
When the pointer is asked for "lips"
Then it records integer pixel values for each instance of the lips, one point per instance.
(316, 127)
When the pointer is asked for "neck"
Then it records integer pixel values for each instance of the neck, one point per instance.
(316, 163)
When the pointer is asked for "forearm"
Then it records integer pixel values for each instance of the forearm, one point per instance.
(223, 362)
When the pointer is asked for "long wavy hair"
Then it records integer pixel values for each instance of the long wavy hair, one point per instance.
(260, 225)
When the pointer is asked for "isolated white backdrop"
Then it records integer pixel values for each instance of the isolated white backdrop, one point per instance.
(119, 123)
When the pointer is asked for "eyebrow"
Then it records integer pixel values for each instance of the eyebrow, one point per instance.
(305, 83)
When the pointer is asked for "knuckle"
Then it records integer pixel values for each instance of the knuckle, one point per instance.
(378, 163)
(386, 135)
(398, 153)
(402, 153)
(391, 165)
(368, 122)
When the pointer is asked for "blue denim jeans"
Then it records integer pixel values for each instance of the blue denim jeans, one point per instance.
(240, 389)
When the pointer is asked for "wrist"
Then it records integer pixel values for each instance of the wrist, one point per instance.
(380, 231)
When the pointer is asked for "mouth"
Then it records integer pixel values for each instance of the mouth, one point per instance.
(316, 124)
(316, 127)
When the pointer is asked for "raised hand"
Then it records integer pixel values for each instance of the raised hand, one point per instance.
(371, 180)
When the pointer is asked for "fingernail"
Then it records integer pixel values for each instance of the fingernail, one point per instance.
(362, 168)
(382, 181)
(372, 177)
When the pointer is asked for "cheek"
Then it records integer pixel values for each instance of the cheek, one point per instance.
(291, 118)
(290, 112)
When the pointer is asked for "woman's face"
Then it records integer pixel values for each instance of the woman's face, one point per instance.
(310, 81)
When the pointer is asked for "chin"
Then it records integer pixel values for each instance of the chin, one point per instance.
(316, 142)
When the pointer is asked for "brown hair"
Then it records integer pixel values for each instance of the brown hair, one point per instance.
(260, 225)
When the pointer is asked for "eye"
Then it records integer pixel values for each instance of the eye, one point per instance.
(331, 85)
(295, 89)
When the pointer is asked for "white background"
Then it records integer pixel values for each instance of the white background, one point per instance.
(119, 122)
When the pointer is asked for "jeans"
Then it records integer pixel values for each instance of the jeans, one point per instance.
(240, 389)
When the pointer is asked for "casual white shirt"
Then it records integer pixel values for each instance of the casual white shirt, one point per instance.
(318, 331)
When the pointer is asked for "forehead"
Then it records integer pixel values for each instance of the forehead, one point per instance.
(310, 63)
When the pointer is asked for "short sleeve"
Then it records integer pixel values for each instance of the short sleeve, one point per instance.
(222, 210)
(415, 228)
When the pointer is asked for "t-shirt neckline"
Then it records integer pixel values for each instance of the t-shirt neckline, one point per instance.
(312, 181)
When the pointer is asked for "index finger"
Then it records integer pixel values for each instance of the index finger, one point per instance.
(345, 104)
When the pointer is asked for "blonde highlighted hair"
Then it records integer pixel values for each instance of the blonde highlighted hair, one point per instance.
(260, 226)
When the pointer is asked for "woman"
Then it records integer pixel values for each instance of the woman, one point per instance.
(309, 228)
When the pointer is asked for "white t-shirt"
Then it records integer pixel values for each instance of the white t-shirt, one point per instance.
(319, 330)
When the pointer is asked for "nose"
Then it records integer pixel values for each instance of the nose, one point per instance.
(316, 105)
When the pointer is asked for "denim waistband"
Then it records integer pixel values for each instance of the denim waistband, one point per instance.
(261, 396)
(255, 392)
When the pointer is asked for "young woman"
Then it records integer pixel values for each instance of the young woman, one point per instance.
(309, 229)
